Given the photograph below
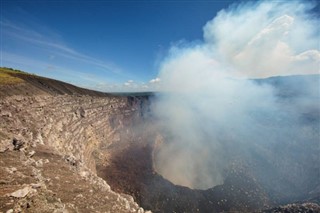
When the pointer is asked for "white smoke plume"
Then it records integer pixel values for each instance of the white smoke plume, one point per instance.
(209, 111)
(266, 38)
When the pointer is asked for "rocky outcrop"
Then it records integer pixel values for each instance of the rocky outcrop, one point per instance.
(49, 145)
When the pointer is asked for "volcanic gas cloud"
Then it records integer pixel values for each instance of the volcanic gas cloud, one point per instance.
(213, 111)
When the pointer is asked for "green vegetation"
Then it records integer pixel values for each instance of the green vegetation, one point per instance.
(10, 70)
(7, 76)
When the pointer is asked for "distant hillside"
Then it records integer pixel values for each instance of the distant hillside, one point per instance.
(294, 86)
(16, 82)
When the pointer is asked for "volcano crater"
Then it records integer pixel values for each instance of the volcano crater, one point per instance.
(130, 170)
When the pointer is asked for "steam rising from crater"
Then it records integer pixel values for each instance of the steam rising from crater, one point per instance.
(212, 116)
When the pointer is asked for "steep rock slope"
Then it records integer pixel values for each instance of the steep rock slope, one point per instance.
(49, 137)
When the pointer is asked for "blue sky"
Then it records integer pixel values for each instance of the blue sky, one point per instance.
(98, 43)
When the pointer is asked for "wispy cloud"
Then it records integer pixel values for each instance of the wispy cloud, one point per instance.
(54, 45)
(52, 71)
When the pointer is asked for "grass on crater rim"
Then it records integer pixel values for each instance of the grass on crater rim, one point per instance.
(7, 76)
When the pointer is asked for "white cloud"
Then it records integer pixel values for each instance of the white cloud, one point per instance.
(155, 80)
(129, 83)
(130, 86)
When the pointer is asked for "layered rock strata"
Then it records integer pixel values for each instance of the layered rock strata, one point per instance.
(54, 166)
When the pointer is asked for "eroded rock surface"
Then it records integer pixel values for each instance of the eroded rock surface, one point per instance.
(48, 148)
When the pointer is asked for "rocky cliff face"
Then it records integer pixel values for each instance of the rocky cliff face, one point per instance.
(59, 140)
(50, 143)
